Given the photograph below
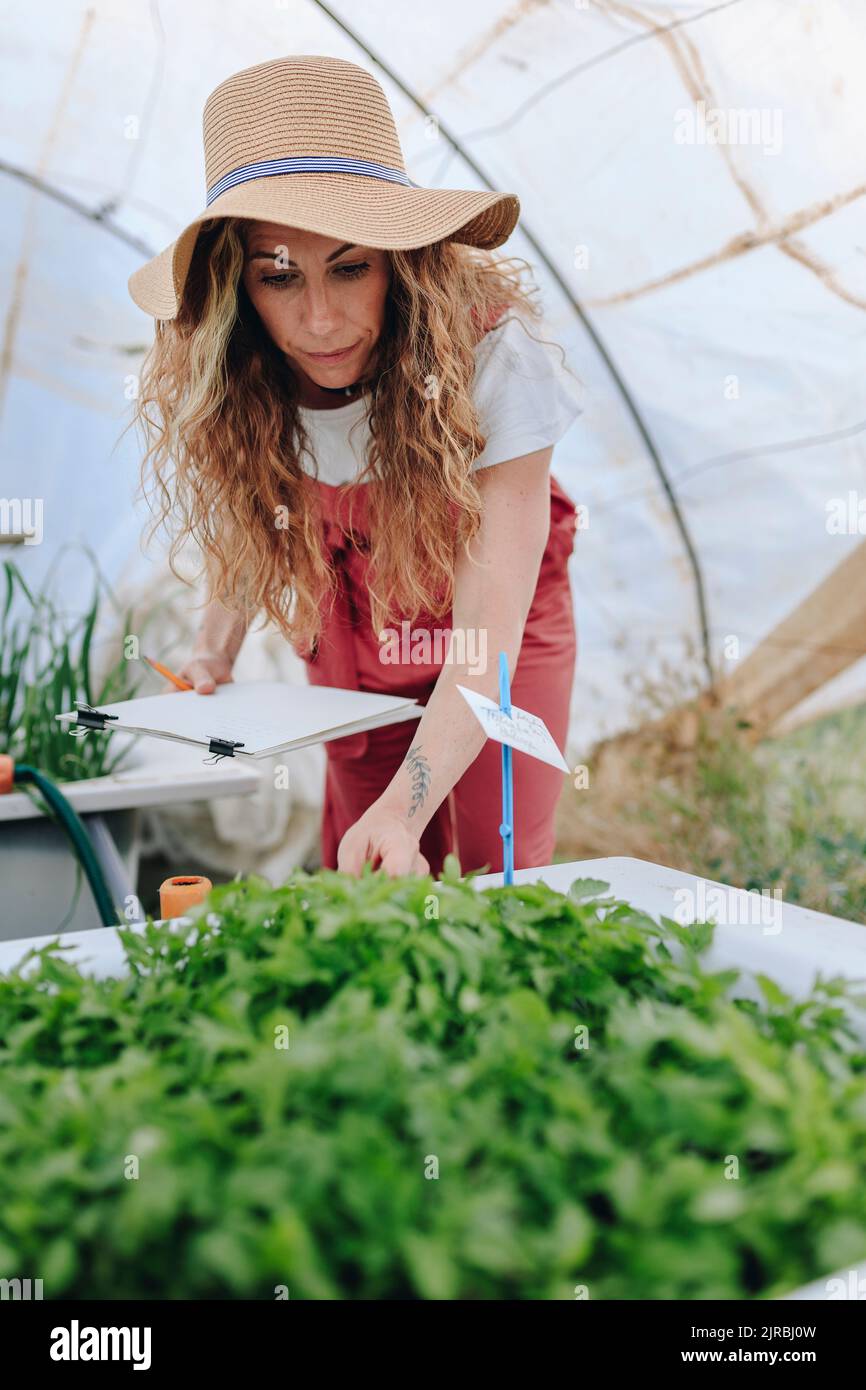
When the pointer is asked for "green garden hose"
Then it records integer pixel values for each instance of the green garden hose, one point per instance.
(78, 838)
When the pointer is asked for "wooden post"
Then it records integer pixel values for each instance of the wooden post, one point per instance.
(824, 635)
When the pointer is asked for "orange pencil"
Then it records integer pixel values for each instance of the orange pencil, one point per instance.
(164, 671)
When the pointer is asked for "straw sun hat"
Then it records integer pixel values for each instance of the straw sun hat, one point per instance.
(310, 142)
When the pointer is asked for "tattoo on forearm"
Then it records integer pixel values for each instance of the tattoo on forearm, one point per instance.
(419, 770)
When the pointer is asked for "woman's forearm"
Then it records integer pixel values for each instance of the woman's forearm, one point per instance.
(222, 631)
(448, 738)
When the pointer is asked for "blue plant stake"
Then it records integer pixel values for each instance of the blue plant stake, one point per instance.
(512, 727)
(506, 829)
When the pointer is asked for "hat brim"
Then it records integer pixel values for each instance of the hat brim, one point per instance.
(355, 208)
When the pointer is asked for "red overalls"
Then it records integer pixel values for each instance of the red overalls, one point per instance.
(360, 766)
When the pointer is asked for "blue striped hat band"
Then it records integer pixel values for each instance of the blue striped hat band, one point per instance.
(308, 164)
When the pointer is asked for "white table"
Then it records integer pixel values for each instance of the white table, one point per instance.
(151, 775)
(37, 864)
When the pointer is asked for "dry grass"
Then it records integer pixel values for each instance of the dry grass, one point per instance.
(694, 790)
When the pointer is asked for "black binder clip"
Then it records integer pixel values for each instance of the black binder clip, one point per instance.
(88, 718)
(222, 748)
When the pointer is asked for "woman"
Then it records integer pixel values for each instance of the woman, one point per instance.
(339, 362)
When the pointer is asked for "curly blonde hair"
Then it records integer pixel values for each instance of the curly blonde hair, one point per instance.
(218, 408)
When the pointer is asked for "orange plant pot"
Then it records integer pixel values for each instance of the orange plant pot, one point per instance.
(181, 892)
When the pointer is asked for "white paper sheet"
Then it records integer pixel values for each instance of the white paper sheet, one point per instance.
(265, 716)
(520, 729)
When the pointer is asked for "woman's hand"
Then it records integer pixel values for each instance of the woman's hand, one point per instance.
(385, 839)
(205, 670)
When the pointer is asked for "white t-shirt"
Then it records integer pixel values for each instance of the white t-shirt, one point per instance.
(524, 396)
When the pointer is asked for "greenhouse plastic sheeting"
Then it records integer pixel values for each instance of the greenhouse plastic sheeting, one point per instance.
(709, 291)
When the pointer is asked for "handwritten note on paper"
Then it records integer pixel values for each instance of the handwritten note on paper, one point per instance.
(521, 729)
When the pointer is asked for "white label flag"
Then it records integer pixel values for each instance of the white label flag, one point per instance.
(520, 729)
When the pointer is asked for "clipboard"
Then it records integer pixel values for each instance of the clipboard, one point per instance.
(248, 719)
